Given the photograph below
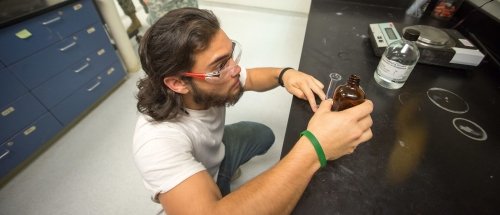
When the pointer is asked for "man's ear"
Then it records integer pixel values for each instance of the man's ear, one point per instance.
(176, 84)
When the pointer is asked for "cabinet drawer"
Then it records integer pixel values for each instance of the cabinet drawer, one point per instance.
(10, 88)
(75, 17)
(18, 114)
(41, 66)
(22, 145)
(92, 38)
(21, 40)
(65, 83)
(71, 107)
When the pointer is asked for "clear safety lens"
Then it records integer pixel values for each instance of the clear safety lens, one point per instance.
(228, 67)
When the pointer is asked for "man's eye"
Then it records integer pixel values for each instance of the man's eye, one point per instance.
(222, 65)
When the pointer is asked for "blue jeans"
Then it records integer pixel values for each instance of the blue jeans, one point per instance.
(243, 141)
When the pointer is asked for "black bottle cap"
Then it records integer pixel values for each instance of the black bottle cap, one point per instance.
(411, 34)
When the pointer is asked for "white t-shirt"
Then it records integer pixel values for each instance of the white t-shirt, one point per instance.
(167, 153)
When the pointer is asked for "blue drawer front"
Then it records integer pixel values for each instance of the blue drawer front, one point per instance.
(92, 38)
(23, 144)
(74, 105)
(71, 79)
(18, 114)
(76, 16)
(10, 88)
(41, 66)
(23, 39)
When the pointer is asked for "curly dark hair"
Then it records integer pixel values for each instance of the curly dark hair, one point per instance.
(168, 48)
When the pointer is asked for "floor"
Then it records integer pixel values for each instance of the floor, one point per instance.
(89, 169)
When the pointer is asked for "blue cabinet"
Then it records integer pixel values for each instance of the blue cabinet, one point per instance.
(10, 88)
(73, 77)
(58, 56)
(18, 114)
(25, 38)
(53, 68)
(91, 91)
(20, 146)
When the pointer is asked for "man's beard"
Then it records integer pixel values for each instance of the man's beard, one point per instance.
(210, 100)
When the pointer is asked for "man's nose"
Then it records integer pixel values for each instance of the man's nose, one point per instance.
(235, 71)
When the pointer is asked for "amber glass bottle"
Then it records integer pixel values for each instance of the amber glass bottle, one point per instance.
(348, 95)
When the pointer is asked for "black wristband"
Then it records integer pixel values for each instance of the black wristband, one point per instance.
(280, 77)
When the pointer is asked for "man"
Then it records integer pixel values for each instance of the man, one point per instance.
(158, 8)
(183, 150)
(128, 8)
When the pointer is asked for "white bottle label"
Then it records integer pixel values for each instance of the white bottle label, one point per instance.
(393, 70)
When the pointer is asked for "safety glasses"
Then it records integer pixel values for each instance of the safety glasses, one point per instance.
(224, 69)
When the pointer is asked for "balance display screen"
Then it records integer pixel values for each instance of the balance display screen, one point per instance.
(390, 33)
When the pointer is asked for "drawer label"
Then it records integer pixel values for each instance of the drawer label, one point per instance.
(8, 111)
(90, 30)
(23, 34)
(101, 52)
(29, 130)
(77, 7)
(110, 70)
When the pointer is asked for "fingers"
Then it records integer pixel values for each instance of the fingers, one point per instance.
(318, 88)
(305, 87)
(312, 101)
(325, 105)
(302, 91)
(300, 94)
(365, 122)
(318, 83)
(362, 110)
(309, 88)
(367, 135)
(364, 125)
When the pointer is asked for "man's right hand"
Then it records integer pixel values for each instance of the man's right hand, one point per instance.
(339, 133)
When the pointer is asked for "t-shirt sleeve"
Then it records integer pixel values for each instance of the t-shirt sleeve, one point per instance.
(165, 161)
(243, 76)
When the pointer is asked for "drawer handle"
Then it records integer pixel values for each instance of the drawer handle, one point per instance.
(51, 21)
(4, 154)
(8, 111)
(68, 46)
(93, 87)
(29, 130)
(82, 68)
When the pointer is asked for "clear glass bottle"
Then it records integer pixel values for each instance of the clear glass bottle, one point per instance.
(398, 61)
(418, 8)
(348, 95)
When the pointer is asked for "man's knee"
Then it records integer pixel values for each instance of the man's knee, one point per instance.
(263, 135)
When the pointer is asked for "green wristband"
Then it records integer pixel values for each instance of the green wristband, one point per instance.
(317, 146)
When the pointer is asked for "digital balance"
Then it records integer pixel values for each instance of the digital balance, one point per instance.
(437, 46)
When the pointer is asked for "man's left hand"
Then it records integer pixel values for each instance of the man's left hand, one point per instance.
(303, 86)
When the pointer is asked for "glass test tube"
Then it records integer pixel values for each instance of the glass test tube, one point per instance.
(334, 80)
